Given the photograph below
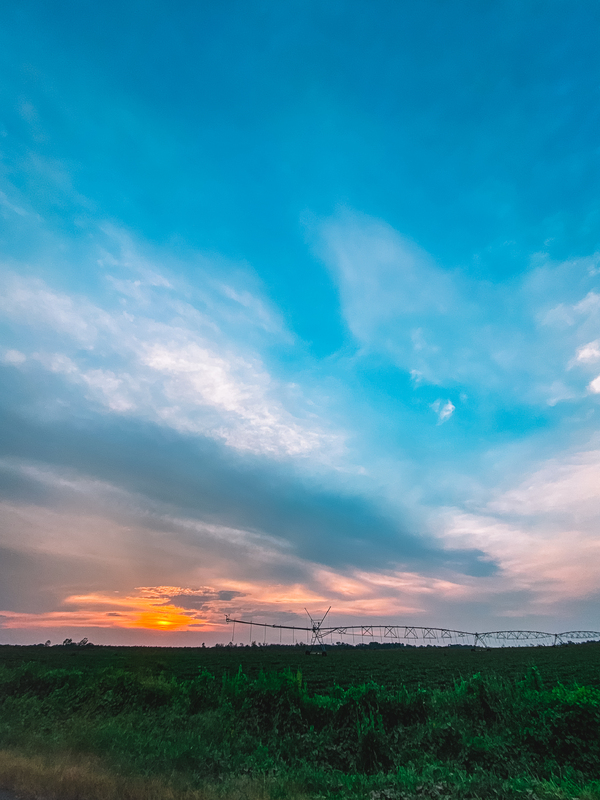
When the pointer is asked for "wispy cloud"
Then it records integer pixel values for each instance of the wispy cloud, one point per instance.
(542, 533)
(443, 410)
(29, 301)
(444, 328)
(156, 355)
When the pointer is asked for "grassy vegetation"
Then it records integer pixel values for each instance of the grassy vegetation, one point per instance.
(86, 726)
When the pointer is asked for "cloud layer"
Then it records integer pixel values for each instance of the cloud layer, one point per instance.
(299, 310)
(153, 427)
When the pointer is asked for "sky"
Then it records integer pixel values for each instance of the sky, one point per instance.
(299, 307)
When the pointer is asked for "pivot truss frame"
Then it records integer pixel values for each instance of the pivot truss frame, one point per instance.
(414, 633)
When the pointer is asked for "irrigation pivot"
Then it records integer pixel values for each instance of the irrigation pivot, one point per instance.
(317, 647)
(415, 634)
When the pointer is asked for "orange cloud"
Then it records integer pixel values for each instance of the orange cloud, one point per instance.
(360, 595)
(112, 611)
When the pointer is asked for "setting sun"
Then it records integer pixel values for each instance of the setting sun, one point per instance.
(166, 619)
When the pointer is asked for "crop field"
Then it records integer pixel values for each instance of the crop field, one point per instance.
(270, 723)
(433, 667)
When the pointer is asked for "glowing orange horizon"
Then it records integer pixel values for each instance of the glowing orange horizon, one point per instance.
(112, 611)
(155, 608)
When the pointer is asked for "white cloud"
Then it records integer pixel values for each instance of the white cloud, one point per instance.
(14, 357)
(594, 386)
(444, 412)
(558, 392)
(31, 301)
(562, 485)
(589, 305)
(589, 353)
(57, 362)
(561, 316)
(110, 388)
(382, 275)
(184, 372)
(238, 389)
(203, 376)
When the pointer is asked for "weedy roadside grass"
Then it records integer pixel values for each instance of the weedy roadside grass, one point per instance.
(111, 733)
(67, 776)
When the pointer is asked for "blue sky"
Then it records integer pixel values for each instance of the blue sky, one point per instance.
(299, 305)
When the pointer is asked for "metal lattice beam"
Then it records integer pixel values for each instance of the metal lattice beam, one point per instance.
(426, 634)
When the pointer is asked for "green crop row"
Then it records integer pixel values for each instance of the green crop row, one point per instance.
(431, 667)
